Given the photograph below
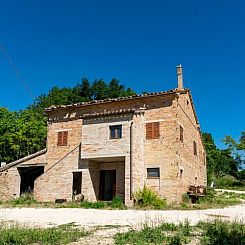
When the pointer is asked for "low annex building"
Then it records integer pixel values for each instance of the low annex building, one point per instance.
(114, 147)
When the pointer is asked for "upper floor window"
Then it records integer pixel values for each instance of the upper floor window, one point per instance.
(153, 172)
(152, 130)
(62, 138)
(181, 136)
(116, 132)
(195, 148)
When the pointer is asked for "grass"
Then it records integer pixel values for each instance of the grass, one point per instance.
(213, 199)
(27, 200)
(148, 198)
(222, 233)
(25, 236)
(166, 233)
(235, 188)
(145, 199)
(211, 233)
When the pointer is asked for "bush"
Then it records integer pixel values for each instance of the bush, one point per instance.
(148, 198)
(25, 199)
(87, 204)
(227, 181)
(185, 198)
(223, 233)
(117, 202)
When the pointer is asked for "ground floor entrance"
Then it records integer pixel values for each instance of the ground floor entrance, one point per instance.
(107, 189)
(28, 176)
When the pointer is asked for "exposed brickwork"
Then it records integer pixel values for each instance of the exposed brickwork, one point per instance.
(89, 149)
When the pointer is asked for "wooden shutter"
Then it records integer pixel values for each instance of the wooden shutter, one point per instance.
(149, 131)
(195, 147)
(62, 138)
(156, 132)
(65, 136)
(152, 130)
(181, 134)
(59, 142)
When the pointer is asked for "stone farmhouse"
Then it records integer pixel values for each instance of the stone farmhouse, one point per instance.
(114, 147)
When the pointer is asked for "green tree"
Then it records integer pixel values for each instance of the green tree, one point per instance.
(238, 151)
(219, 162)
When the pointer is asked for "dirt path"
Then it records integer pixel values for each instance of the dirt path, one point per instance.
(104, 224)
(234, 191)
(45, 217)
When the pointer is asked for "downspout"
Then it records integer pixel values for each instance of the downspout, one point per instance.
(130, 161)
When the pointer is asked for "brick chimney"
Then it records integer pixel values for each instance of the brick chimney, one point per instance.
(180, 76)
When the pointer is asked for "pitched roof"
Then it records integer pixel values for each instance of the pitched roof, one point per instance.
(93, 102)
(136, 96)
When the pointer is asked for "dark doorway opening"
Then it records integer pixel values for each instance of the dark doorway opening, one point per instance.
(77, 183)
(28, 176)
(107, 185)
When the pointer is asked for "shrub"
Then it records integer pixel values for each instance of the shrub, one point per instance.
(25, 199)
(223, 233)
(185, 198)
(227, 181)
(117, 202)
(148, 198)
(87, 204)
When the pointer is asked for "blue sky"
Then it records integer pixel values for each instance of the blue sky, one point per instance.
(138, 42)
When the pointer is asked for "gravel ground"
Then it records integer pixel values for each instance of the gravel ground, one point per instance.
(46, 217)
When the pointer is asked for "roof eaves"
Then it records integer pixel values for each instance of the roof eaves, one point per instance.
(11, 164)
(93, 102)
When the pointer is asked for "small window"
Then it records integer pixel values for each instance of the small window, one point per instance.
(116, 132)
(153, 172)
(181, 173)
(152, 130)
(181, 136)
(62, 138)
(195, 147)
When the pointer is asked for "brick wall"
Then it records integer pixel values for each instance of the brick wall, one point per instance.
(165, 152)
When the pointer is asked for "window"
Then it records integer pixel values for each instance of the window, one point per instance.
(181, 173)
(181, 136)
(153, 172)
(195, 147)
(152, 130)
(116, 132)
(62, 138)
